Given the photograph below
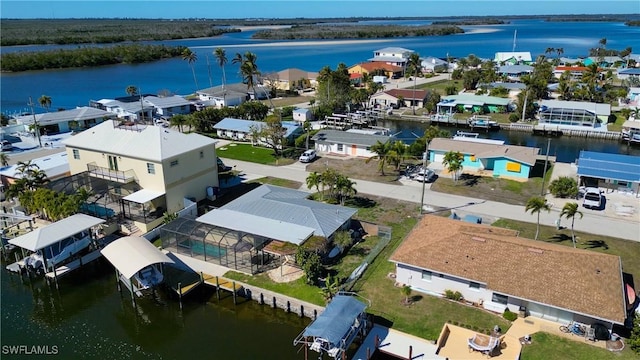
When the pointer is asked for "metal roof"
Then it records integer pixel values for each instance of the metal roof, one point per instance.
(257, 225)
(599, 109)
(515, 69)
(630, 71)
(291, 207)
(475, 99)
(244, 126)
(152, 143)
(77, 114)
(609, 166)
(42, 237)
(53, 165)
(334, 322)
(343, 137)
(143, 196)
(131, 254)
(522, 56)
(167, 101)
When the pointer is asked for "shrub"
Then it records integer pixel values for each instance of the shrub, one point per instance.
(564, 187)
(634, 338)
(453, 295)
(509, 315)
(514, 118)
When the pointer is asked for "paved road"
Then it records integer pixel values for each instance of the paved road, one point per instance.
(411, 191)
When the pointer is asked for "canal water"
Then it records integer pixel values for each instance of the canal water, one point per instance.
(87, 318)
(566, 149)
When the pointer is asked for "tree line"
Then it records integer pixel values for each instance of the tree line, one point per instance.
(103, 31)
(354, 32)
(86, 56)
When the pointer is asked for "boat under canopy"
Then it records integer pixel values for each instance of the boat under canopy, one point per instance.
(336, 328)
(137, 262)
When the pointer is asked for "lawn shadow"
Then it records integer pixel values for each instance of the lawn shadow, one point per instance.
(470, 180)
(416, 298)
(377, 319)
(593, 244)
(360, 202)
(560, 238)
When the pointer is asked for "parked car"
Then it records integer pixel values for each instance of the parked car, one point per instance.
(308, 156)
(425, 175)
(592, 198)
(222, 167)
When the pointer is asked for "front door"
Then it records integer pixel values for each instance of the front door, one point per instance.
(113, 163)
(353, 150)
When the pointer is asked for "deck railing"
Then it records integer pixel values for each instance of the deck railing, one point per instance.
(112, 175)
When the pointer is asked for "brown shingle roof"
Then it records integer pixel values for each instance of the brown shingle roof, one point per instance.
(579, 280)
(375, 65)
(523, 154)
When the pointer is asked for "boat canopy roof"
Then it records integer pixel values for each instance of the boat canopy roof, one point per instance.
(131, 254)
(336, 319)
(45, 236)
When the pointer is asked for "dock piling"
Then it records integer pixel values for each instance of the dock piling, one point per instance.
(233, 283)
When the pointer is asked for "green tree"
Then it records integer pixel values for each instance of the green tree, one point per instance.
(564, 187)
(570, 211)
(452, 160)
(221, 58)
(634, 338)
(178, 120)
(190, 57)
(131, 90)
(342, 239)
(535, 205)
(406, 292)
(382, 151)
(314, 180)
(4, 159)
(398, 153)
(345, 188)
(415, 64)
(312, 268)
(45, 102)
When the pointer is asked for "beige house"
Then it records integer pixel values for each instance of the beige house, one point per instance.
(291, 79)
(147, 170)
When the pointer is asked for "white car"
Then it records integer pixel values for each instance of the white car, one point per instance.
(308, 156)
(426, 175)
(592, 198)
(6, 145)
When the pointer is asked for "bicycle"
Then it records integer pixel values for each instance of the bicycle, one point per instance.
(574, 328)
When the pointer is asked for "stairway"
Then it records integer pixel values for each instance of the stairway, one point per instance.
(128, 227)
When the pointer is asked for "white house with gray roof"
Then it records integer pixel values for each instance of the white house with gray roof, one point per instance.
(573, 115)
(169, 105)
(280, 214)
(67, 120)
(345, 143)
(392, 55)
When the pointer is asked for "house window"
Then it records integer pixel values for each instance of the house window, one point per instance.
(499, 298)
(201, 154)
(474, 285)
(426, 275)
(76, 154)
(340, 147)
(151, 168)
(368, 148)
(173, 163)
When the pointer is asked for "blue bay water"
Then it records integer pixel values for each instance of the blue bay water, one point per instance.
(75, 87)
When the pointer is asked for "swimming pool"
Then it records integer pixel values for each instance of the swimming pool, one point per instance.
(211, 250)
(97, 210)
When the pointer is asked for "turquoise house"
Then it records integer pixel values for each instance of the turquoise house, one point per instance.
(487, 157)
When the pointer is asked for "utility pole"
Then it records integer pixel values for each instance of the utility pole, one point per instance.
(424, 176)
(546, 161)
(524, 106)
(36, 127)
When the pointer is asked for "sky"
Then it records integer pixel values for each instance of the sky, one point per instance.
(224, 9)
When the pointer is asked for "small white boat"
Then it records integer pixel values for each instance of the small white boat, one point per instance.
(148, 278)
(479, 121)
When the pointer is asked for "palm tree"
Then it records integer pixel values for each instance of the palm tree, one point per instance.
(221, 56)
(345, 188)
(25, 168)
(415, 64)
(4, 159)
(382, 153)
(131, 90)
(191, 57)
(178, 120)
(45, 101)
(453, 162)
(535, 205)
(406, 292)
(569, 211)
(314, 180)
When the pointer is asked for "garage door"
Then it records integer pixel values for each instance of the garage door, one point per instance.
(438, 158)
(549, 313)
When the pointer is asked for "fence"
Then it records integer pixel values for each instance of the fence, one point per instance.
(384, 236)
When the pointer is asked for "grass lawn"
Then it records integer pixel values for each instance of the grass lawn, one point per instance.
(488, 188)
(277, 182)
(256, 154)
(545, 346)
(297, 289)
(629, 251)
(288, 101)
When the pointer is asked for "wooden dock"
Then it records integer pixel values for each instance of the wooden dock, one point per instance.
(75, 264)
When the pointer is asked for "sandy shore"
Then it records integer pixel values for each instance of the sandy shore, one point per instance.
(480, 31)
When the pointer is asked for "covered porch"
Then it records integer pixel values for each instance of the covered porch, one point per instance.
(145, 207)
